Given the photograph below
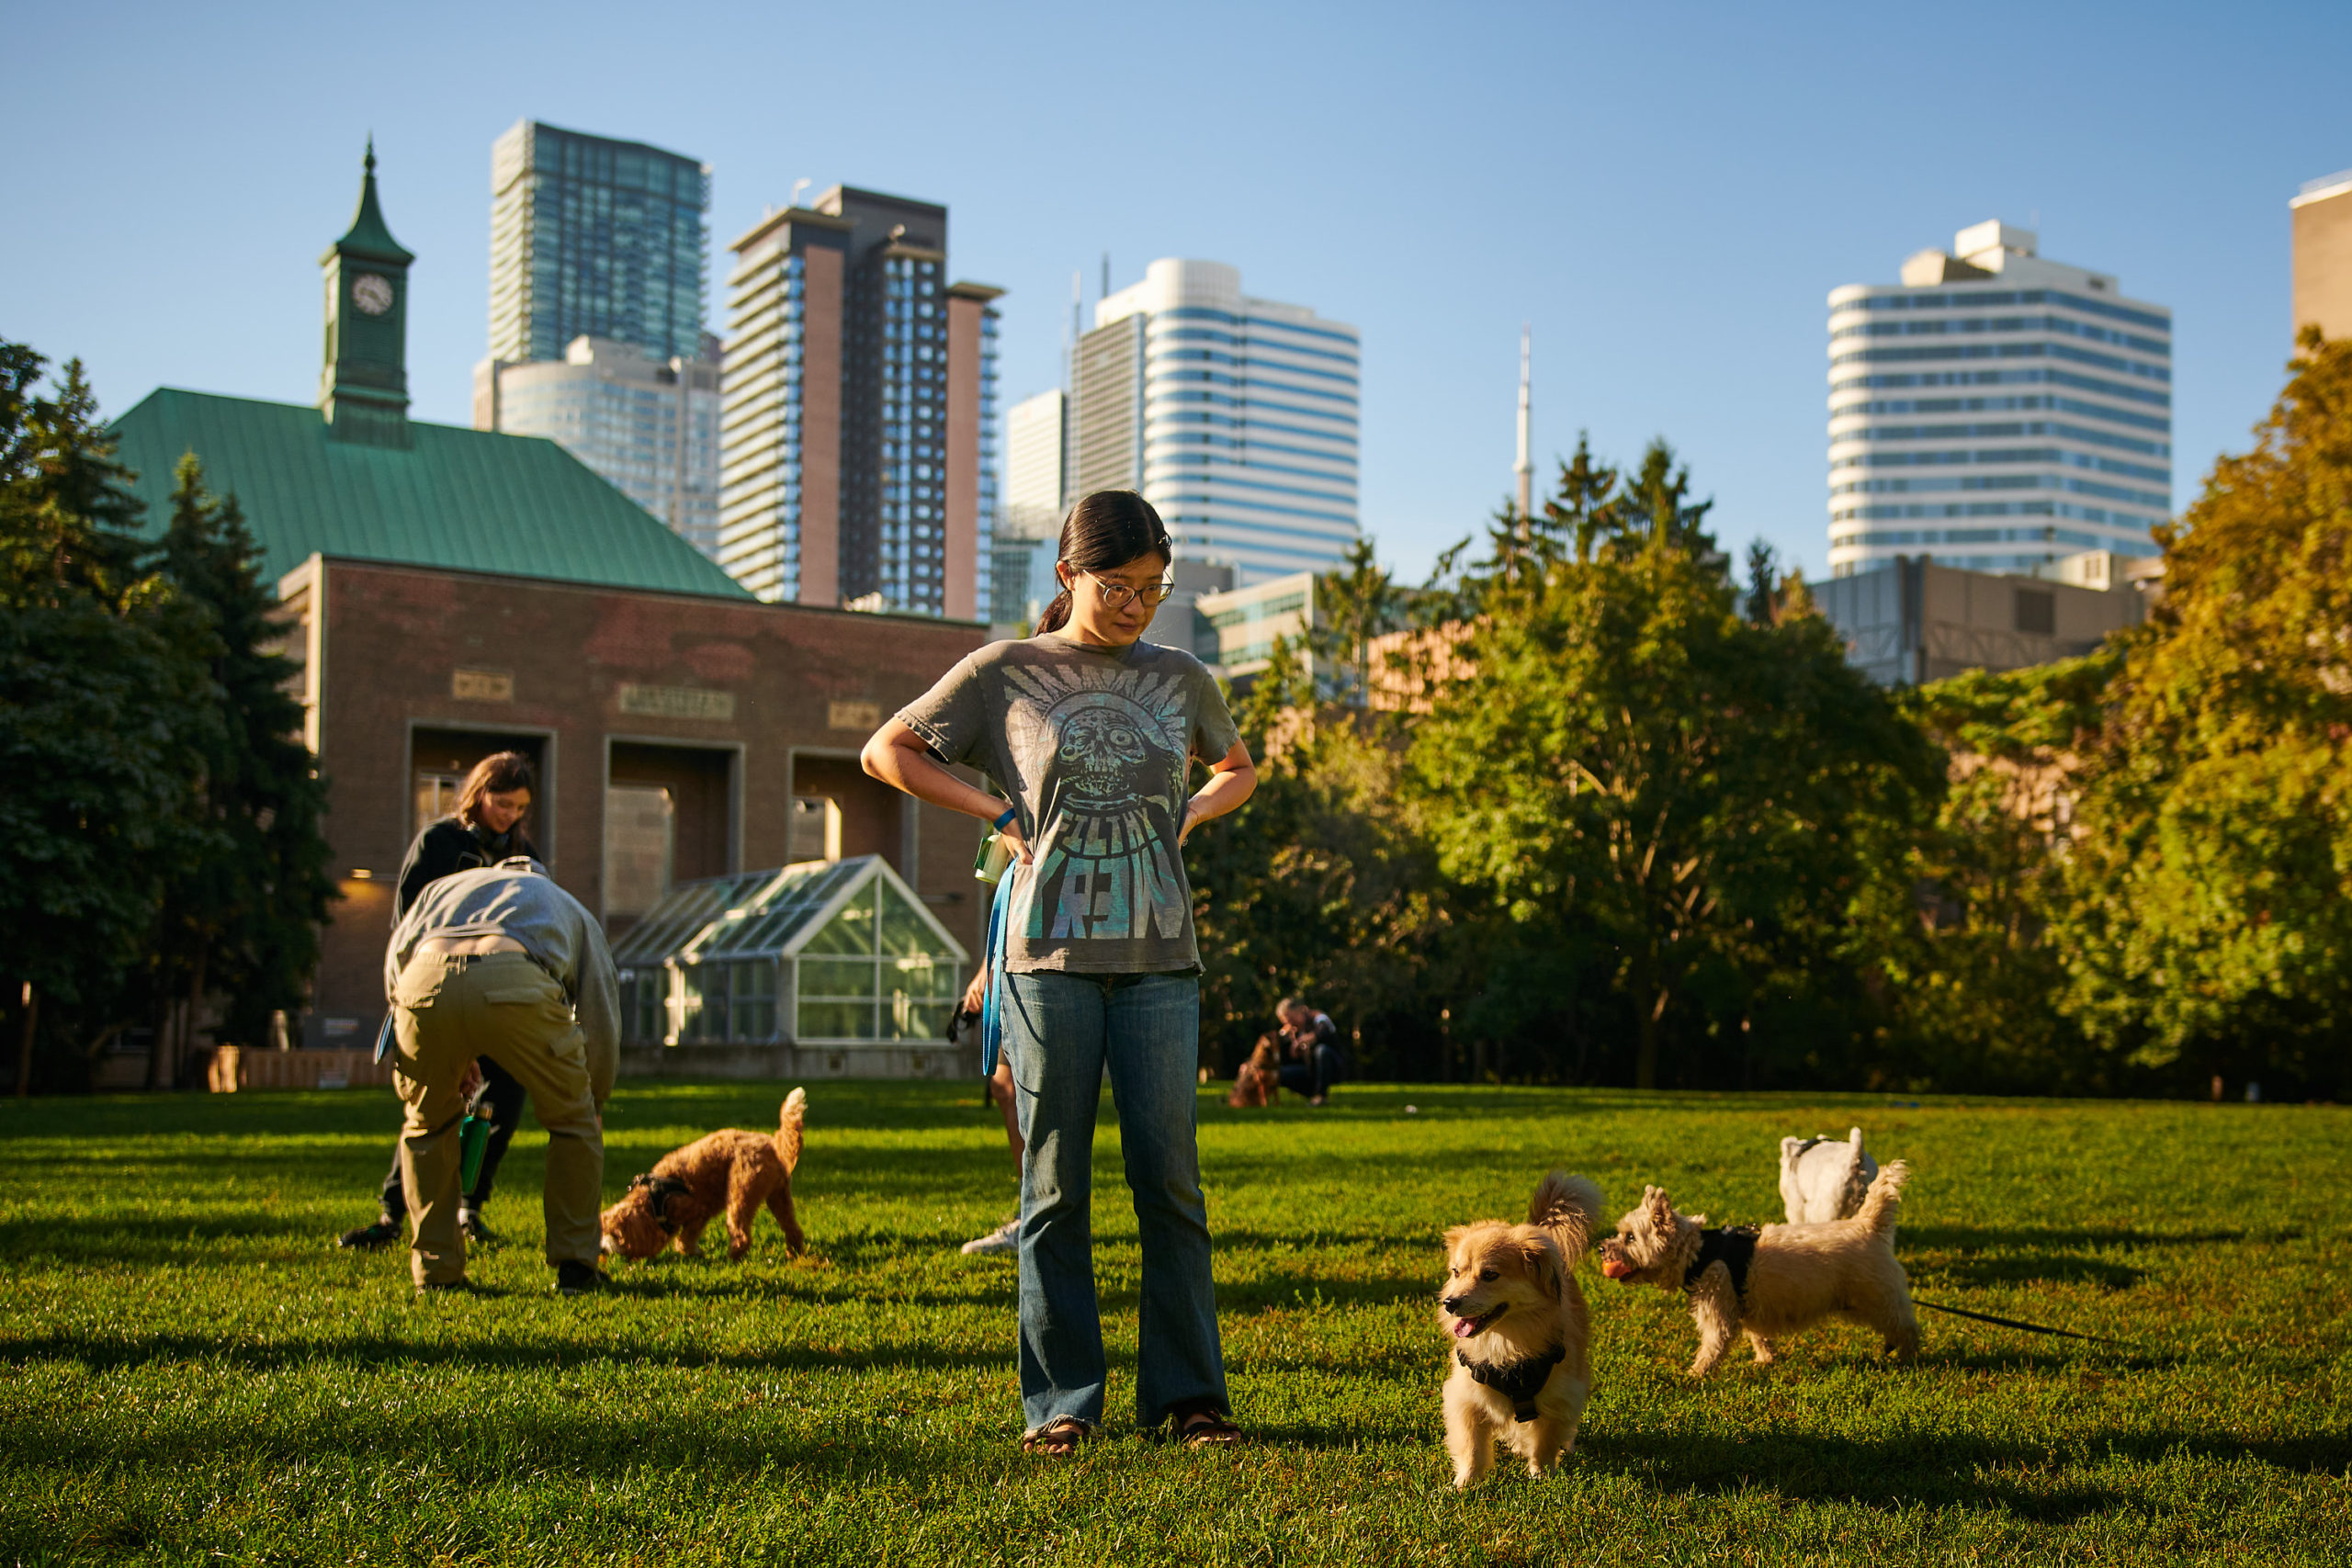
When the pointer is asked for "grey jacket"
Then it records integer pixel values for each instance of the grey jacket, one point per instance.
(515, 898)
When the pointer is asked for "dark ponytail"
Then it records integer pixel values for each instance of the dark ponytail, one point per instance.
(1104, 532)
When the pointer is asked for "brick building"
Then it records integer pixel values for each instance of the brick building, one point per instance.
(450, 592)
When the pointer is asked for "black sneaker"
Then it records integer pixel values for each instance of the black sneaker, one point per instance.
(371, 1238)
(580, 1279)
(481, 1235)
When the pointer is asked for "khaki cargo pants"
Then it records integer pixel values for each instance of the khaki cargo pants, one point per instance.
(450, 1010)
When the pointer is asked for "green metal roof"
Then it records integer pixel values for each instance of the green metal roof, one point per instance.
(472, 500)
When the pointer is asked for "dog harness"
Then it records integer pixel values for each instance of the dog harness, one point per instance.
(658, 1191)
(1519, 1381)
(1733, 1246)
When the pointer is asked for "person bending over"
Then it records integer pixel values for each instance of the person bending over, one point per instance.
(1312, 1044)
(1090, 731)
(486, 827)
(502, 965)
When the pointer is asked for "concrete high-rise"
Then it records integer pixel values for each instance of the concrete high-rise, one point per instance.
(1997, 410)
(649, 425)
(857, 443)
(597, 237)
(1236, 417)
(1028, 529)
(2321, 216)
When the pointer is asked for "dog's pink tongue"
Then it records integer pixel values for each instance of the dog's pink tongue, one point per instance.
(1464, 1328)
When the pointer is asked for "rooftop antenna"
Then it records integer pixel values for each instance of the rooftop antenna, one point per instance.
(1106, 275)
(797, 187)
(1075, 330)
(1525, 466)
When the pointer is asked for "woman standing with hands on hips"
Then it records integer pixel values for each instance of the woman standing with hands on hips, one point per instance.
(1091, 731)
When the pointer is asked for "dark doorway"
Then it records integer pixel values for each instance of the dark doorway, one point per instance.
(668, 818)
(871, 820)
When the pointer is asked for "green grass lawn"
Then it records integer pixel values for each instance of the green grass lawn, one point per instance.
(189, 1372)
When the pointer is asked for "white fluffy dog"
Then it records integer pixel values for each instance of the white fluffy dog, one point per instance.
(1823, 1180)
(1518, 1326)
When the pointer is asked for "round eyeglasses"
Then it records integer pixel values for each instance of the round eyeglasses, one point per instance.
(1116, 594)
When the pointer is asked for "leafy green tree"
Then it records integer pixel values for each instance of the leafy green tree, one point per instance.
(1951, 930)
(1320, 887)
(2210, 922)
(1626, 773)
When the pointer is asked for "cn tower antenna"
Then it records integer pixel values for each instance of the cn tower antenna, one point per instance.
(1525, 466)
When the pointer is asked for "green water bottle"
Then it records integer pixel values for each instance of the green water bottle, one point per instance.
(473, 1142)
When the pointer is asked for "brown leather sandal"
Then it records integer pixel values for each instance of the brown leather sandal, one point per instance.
(1057, 1439)
(1206, 1427)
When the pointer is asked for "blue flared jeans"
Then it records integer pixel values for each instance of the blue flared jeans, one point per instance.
(1061, 1030)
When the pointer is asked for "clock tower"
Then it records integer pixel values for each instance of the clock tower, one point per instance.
(363, 390)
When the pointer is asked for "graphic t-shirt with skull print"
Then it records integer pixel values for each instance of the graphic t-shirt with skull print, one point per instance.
(1094, 746)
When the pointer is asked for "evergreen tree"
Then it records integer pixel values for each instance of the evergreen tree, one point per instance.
(243, 917)
(89, 689)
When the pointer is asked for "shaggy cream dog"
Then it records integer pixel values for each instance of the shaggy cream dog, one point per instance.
(1520, 1329)
(732, 1172)
(1775, 1281)
(1822, 1179)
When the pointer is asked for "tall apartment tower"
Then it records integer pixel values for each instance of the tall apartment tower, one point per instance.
(857, 443)
(1236, 417)
(598, 256)
(1998, 410)
(2322, 218)
(597, 237)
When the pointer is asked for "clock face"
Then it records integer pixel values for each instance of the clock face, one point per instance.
(371, 293)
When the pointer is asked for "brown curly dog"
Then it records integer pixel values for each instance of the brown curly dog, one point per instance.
(731, 1173)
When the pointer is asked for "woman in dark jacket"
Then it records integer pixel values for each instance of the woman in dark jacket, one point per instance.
(486, 827)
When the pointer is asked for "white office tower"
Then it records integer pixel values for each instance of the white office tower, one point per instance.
(1997, 412)
(649, 424)
(1236, 417)
(1029, 520)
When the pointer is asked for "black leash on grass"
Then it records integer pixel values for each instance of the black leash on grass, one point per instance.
(2013, 1322)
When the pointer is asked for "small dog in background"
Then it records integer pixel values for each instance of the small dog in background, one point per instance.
(1771, 1283)
(1260, 1081)
(1520, 1330)
(1822, 1179)
(732, 1172)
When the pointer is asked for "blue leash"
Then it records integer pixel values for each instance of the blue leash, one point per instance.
(991, 1003)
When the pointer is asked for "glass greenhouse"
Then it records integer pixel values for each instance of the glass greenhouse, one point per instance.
(827, 953)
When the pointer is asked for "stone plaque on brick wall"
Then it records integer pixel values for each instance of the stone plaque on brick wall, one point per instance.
(481, 686)
(854, 715)
(677, 701)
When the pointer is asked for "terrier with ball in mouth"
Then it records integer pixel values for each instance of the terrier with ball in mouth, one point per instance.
(1774, 1281)
(1519, 1328)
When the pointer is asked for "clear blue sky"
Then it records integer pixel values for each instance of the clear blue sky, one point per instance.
(1665, 191)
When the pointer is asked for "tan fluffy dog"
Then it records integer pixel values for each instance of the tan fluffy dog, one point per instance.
(1260, 1081)
(732, 1172)
(1771, 1283)
(1519, 1330)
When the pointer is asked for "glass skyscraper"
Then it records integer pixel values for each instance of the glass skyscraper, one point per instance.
(591, 236)
(649, 427)
(858, 427)
(1997, 412)
(1236, 417)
